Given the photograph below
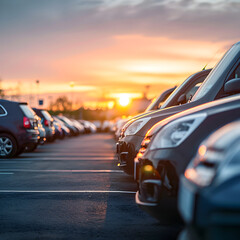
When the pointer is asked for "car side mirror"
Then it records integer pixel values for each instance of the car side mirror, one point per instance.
(182, 99)
(232, 86)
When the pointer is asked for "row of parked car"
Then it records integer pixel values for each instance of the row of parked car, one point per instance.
(185, 156)
(23, 128)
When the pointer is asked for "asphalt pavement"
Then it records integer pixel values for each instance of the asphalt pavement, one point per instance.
(72, 189)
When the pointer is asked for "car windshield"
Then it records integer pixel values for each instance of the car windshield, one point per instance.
(46, 115)
(172, 99)
(155, 104)
(158, 101)
(216, 73)
(27, 111)
(174, 93)
(66, 120)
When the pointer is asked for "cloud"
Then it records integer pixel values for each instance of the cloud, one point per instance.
(88, 41)
(212, 20)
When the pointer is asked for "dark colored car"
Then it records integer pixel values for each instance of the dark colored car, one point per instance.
(85, 124)
(173, 144)
(118, 127)
(74, 131)
(42, 132)
(65, 129)
(47, 123)
(222, 81)
(89, 125)
(209, 190)
(135, 129)
(156, 104)
(58, 130)
(18, 128)
(42, 136)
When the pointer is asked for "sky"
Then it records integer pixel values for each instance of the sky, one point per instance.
(92, 50)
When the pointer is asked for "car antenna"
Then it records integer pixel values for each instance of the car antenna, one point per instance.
(204, 68)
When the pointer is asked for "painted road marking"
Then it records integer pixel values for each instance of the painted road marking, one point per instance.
(4, 162)
(24, 160)
(65, 191)
(6, 173)
(62, 171)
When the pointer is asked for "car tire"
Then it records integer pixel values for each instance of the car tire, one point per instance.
(20, 151)
(8, 146)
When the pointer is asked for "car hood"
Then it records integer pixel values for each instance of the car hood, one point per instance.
(215, 106)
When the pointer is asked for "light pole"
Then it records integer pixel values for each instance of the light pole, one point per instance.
(37, 82)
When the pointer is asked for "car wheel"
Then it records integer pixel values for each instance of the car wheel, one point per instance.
(8, 146)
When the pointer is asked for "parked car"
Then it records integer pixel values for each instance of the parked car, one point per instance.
(42, 136)
(58, 130)
(65, 129)
(78, 125)
(106, 126)
(223, 81)
(42, 132)
(98, 125)
(18, 128)
(156, 103)
(74, 131)
(173, 144)
(89, 127)
(93, 127)
(209, 190)
(47, 123)
(135, 129)
(118, 127)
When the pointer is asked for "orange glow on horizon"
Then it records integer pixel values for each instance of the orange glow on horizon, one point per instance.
(125, 64)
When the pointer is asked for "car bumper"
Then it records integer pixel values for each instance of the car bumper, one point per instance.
(41, 140)
(29, 137)
(158, 177)
(49, 133)
(199, 207)
(164, 209)
(187, 200)
(126, 150)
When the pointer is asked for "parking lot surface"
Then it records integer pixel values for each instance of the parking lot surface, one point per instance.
(72, 189)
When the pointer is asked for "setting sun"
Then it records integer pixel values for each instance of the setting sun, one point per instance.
(124, 100)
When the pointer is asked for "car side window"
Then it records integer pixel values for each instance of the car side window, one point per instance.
(234, 74)
(3, 111)
(193, 88)
(192, 91)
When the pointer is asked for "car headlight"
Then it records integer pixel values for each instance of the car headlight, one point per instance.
(135, 126)
(174, 133)
(202, 176)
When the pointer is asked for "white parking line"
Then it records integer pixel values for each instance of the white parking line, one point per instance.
(62, 171)
(6, 173)
(61, 159)
(65, 191)
(14, 162)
